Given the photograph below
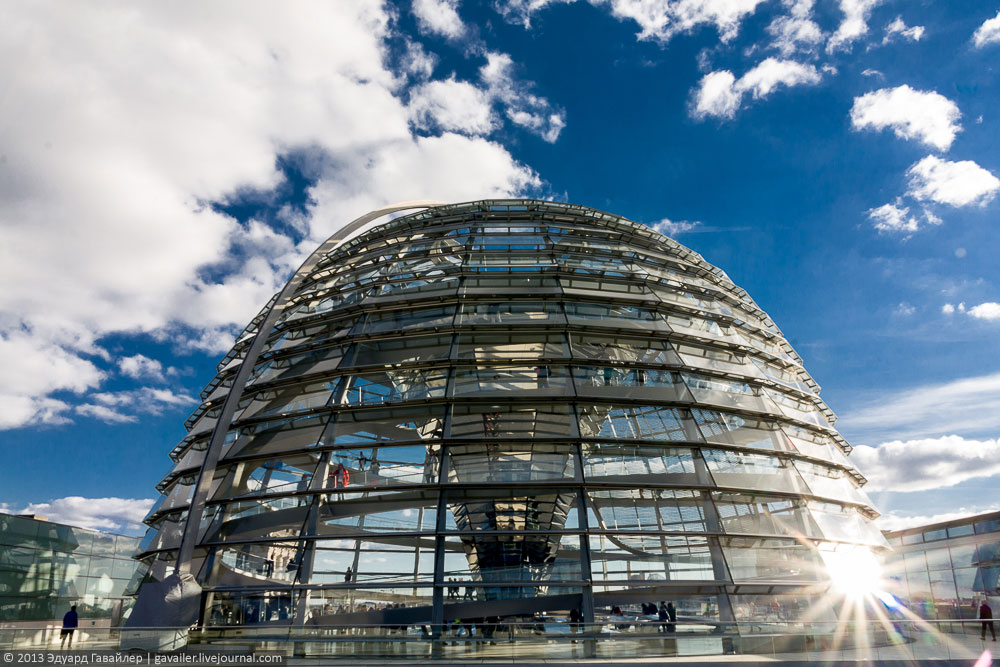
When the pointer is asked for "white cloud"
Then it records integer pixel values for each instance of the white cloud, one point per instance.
(893, 218)
(108, 514)
(672, 228)
(989, 311)
(523, 107)
(911, 114)
(717, 96)
(439, 17)
(663, 20)
(927, 463)
(905, 309)
(969, 407)
(988, 32)
(795, 31)
(121, 407)
(417, 62)
(105, 414)
(896, 218)
(140, 366)
(109, 170)
(872, 72)
(32, 368)
(962, 183)
(854, 25)
(452, 106)
(948, 309)
(720, 93)
(895, 521)
(899, 28)
(660, 21)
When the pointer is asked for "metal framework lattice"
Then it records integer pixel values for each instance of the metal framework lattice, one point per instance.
(500, 409)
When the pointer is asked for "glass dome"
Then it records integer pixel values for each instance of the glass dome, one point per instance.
(508, 409)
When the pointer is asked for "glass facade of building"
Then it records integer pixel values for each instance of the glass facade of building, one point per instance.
(504, 409)
(47, 567)
(945, 570)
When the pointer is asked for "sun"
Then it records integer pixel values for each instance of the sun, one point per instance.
(855, 573)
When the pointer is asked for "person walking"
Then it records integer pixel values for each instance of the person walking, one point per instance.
(574, 621)
(985, 615)
(70, 623)
(671, 617)
(663, 615)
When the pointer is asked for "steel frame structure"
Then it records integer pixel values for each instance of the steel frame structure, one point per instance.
(504, 408)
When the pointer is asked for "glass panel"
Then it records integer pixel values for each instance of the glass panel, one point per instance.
(730, 429)
(802, 410)
(845, 524)
(744, 470)
(277, 476)
(831, 483)
(513, 347)
(289, 400)
(604, 461)
(510, 509)
(395, 560)
(396, 385)
(385, 466)
(764, 515)
(276, 436)
(613, 382)
(544, 379)
(511, 421)
(614, 315)
(650, 558)
(960, 531)
(624, 349)
(938, 559)
(364, 427)
(989, 526)
(17, 530)
(915, 561)
(322, 360)
(312, 334)
(646, 422)
(963, 555)
(715, 359)
(511, 462)
(641, 509)
(505, 284)
(725, 393)
(431, 281)
(402, 320)
(408, 350)
(531, 560)
(513, 312)
(774, 560)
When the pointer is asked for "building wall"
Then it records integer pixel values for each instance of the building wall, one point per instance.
(944, 570)
(46, 567)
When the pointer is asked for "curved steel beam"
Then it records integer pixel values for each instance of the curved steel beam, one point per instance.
(189, 538)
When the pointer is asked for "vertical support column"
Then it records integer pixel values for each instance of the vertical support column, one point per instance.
(304, 575)
(712, 523)
(587, 594)
(437, 599)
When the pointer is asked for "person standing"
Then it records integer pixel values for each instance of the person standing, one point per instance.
(671, 617)
(71, 621)
(663, 616)
(985, 615)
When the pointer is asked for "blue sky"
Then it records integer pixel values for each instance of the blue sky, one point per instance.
(164, 168)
